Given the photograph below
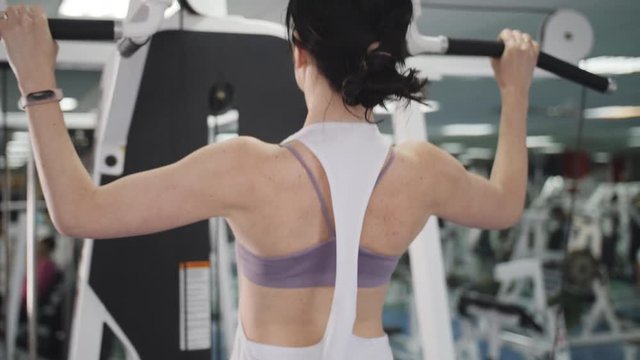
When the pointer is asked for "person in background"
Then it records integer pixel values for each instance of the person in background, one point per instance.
(46, 269)
(634, 224)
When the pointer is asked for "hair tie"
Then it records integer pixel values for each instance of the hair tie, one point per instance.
(375, 48)
(376, 59)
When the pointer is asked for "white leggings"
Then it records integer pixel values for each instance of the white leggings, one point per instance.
(360, 348)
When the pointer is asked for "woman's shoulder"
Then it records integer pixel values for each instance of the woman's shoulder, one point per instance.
(422, 155)
(247, 148)
(429, 166)
(251, 155)
(248, 143)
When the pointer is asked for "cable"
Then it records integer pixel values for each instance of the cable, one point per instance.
(183, 65)
(217, 279)
(575, 186)
(181, 17)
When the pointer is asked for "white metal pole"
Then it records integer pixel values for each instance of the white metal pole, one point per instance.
(32, 290)
(427, 265)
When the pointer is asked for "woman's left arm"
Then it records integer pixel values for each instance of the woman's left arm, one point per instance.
(213, 181)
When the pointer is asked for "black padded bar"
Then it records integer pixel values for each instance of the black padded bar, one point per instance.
(72, 29)
(545, 61)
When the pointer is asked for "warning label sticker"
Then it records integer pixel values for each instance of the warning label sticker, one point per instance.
(195, 303)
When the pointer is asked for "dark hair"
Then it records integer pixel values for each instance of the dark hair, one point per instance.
(339, 34)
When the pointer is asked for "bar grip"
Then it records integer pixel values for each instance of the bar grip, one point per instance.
(128, 47)
(75, 29)
(547, 62)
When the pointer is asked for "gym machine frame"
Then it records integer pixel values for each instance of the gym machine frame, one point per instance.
(147, 19)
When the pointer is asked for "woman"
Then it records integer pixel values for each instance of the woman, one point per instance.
(333, 193)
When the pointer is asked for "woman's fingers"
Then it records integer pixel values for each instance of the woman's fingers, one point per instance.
(30, 49)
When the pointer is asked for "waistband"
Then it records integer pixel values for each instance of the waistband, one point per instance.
(360, 348)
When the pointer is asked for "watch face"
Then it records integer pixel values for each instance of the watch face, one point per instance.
(41, 95)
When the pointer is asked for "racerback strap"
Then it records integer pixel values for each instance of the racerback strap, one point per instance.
(352, 156)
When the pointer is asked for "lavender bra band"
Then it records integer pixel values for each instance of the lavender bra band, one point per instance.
(315, 266)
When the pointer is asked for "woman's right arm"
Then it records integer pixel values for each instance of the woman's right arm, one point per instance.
(498, 202)
(216, 180)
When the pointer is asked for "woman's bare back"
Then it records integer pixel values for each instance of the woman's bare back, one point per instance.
(288, 218)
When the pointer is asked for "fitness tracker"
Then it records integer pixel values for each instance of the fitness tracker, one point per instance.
(40, 97)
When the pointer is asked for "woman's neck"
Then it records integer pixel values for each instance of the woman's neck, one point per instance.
(327, 106)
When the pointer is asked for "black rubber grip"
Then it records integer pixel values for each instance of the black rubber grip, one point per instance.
(545, 61)
(128, 47)
(72, 29)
